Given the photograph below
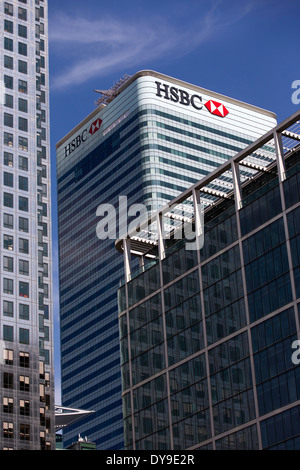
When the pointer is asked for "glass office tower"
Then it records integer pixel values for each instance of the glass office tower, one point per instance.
(151, 140)
(209, 359)
(26, 343)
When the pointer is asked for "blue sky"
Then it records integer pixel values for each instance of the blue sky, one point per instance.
(248, 50)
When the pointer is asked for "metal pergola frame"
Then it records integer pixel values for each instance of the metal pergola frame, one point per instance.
(282, 139)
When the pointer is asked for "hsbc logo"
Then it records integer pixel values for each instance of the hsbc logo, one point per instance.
(183, 97)
(216, 108)
(95, 126)
(80, 138)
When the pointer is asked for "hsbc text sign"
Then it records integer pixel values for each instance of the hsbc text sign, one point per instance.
(82, 137)
(177, 95)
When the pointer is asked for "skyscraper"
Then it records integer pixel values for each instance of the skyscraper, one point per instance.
(26, 346)
(150, 139)
(210, 336)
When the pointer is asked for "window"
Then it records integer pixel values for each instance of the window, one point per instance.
(23, 336)
(22, 31)
(8, 333)
(8, 200)
(9, 44)
(24, 289)
(23, 203)
(24, 359)
(23, 225)
(23, 105)
(8, 26)
(8, 101)
(8, 159)
(8, 356)
(8, 242)
(8, 82)
(8, 221)
(23, 163)
(24, 267)
(23, 183)
(23, 312)
(8, 9)
(8, 120)
(8, 139)
(22, 14)
(8, 62)
(8, 380)
(8, 430)
(22, 67)
(23, 143)
(23, 124)
(46, 270)
(23, 246)
(22, 86)
(24, 432)
(24, 383)
(22, 48)
(8, 308)
(8, 405)
(45, 209)
(24, 408)
(8, 286)
(8, 264)
(8, 179)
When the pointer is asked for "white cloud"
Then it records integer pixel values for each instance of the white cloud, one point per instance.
(93, 48)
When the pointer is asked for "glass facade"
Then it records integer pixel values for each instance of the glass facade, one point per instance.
(26, 341)
(206, 335)
(149, 155)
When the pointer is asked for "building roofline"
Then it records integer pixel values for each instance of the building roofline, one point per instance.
(76, 128)
(176, 81)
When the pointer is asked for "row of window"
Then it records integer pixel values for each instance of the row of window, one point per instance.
(8, 201)
(22, 12)
(8, 335)
(9, 28)
(8, 180)
(8, 358)
(8, 266)
(8, 244)
(9, 83)
(8, 406)
(24, 383)
(8, 288)
(8, 140)
(22, 122)
(8, 310)
(8, 160)
(8, 222)
(22, 47)
(8, 431)
(24, 407)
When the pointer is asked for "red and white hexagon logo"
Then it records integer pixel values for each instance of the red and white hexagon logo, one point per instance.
(95, 126)
(216, 108)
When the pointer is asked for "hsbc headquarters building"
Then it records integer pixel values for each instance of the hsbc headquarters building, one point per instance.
(153, 138)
